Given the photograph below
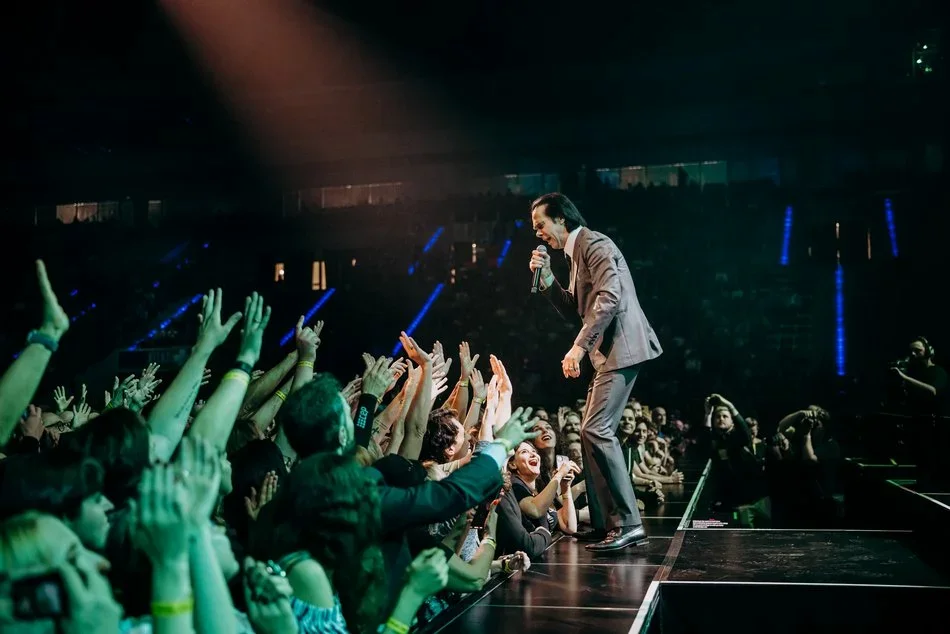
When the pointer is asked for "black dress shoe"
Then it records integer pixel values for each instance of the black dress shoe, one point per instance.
(593, 535)
(618, 540)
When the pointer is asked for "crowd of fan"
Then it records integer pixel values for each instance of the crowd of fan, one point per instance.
(285, 501)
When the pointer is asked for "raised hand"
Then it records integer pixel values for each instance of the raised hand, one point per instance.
(378, 376)
(498, 368)
(256, 501)
(307, 339)
(441, 369)
(59, 398)
(256, 374)
(32, 424)
(119, 395)
(428, 573)
(92, 608)
(148, 374)
(268, 599)
(81, 415)
(206, 377)
(479, 390)
(161, 515)
(438, 386)
(398, 368)
(352, 390)
(466, 360)
(255, 322)
(414, 351)
(519, 427)
(438, 353)
(55, 322)
(199, 467)
(211, 332)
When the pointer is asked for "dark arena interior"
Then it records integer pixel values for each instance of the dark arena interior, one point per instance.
(596, 318)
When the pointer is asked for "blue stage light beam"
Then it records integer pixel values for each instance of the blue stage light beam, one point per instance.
(309, 315)
(786, 236)
(422, 313)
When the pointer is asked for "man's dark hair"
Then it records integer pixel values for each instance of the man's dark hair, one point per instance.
(441, 433)
(558, 205)
(312, 416)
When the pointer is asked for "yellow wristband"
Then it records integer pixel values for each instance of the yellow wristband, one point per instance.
(305, 364)
(490, 541)
(463, 383)
(237, 375)
(166, 609)
(281, 395)
(397, 626)
(479, 401)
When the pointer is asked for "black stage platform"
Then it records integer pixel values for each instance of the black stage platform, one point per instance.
(702, 573)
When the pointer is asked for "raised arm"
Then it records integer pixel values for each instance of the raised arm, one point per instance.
(19, 382)
(169, 416)
(216, 419)
(418, 417)
(261, 390)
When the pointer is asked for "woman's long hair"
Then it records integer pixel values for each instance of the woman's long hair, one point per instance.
(330, 507)
(56, 483)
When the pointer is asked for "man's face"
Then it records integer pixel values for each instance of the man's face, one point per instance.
(659, 416)
(552, 232)
(918, 351)
(572, 424)
(627, 421)
(575, 453)
(459, 448)
(722, 419)
(637, 409)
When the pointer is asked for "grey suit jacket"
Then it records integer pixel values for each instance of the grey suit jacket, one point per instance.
(615, 332)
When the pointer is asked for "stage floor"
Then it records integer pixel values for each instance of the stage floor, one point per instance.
(694, 563)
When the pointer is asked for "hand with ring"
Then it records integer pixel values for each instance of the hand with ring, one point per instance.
(571, 364)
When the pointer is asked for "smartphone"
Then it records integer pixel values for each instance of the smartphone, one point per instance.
(40, 597)
(481, 513)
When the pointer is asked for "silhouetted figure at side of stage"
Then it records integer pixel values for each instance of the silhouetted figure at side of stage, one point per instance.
(922, 383)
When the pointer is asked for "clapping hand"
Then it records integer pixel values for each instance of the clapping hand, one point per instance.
(256, 501)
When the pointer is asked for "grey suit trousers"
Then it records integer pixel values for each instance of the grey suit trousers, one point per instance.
(610, 495)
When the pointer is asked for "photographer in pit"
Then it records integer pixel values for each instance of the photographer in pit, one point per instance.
(921, 383)
(802, 469)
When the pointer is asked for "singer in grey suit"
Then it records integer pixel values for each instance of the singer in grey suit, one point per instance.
(617, 337)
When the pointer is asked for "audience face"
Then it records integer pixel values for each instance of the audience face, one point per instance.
(722, 419)
(34, 544)
(526, 462)
(627, 421)
(637, 408)
(461, 446)
(572, 424)
(547, 439)
(659, 417)
(641, 432)
(575, 452)
(753, 427)
(542, 414)
(92, 523)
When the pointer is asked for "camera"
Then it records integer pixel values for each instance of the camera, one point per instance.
(39, 597)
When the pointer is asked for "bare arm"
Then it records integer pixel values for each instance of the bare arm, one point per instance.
(264, 387)
(418, 417)
(266, 412)
(22, 378)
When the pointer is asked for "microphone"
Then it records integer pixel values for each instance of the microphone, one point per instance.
(536, 281)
